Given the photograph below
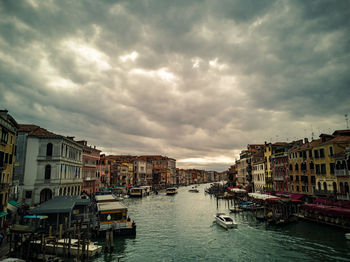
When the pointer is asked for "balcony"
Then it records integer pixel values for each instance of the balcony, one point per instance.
(3, 167)
(278, 178)
(89, 165)
(327, 193)
(341, 172)
(89, 178)
(269, 180)
(4, 186)
(343, 196)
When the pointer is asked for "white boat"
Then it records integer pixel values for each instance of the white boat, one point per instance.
(62, 246)
(347, 236)
(194, 190)
(225, 221)
(171, 191)
(235, 209)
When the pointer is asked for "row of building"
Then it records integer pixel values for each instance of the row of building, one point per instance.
(316, 168)
(36, 164)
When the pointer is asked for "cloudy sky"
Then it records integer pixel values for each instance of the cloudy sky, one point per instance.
(193, 80)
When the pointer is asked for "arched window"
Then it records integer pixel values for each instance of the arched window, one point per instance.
(311, 165)
(49, 149)
(290, 167)
(334, 187)
(319, 185)
(296, 167)
(341, 188)
(343, 163)
(346, 187)
(325, 186)
(47, 172)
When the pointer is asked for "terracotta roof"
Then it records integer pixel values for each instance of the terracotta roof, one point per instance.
(344, 132)
(340, 139)
(38, 131)
(307, 145)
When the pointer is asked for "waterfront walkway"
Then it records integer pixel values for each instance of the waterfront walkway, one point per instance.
(4, 249)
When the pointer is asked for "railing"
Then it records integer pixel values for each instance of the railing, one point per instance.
(4, 185)
(341, 172)
(343, 196)
(278, 178)
(89, 165)
(323, 192)
(89, 178)
(3, 167)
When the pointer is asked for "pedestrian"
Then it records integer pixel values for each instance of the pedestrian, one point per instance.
(1, 238)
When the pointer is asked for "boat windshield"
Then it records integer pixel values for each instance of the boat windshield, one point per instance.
(227, 219)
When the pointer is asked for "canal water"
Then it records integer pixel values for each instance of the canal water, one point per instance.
(182, 228)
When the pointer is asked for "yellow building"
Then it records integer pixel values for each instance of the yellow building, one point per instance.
(8, 134)
(267, 161)
(328, 181)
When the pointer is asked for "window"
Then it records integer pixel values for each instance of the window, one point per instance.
(323, 169)
(321, 152)
(331, 151)
(49, 149)
(311, 165)
(10, 159)
(316, 153)
(28, 194)
(4, 137)
(290, 167)
(296, 167)
(310, 153)
(313, 180)
(318, 169)
(47, 172)
(331, 167)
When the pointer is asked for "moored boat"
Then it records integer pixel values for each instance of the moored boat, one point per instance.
(225, 221)
(75, 247)
(235, 209)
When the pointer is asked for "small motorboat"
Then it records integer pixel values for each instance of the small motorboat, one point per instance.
(347, 236)
(235, 209)
(225, 221)
(193, 190)
(171, 191)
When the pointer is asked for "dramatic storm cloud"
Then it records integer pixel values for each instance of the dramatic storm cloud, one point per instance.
(193, 80)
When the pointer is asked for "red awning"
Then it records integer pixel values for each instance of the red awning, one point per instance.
(296, 196)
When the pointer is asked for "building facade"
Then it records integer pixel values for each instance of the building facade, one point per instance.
(48, 165)
(8, 134)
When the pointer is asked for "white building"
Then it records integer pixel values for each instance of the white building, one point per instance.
(47, 165)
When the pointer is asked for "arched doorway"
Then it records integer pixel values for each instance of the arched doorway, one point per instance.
(45, 194)
(325, 186)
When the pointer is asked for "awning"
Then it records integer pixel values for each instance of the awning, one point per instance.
(296, 196)
(14, 203)
(2, 214)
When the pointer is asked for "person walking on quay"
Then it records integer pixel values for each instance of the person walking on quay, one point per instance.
(1, 237)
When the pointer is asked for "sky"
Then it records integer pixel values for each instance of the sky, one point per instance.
(192, 80)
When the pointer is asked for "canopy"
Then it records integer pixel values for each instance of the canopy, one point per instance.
(328, 210)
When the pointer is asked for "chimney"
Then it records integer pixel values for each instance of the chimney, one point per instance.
(306, 140)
